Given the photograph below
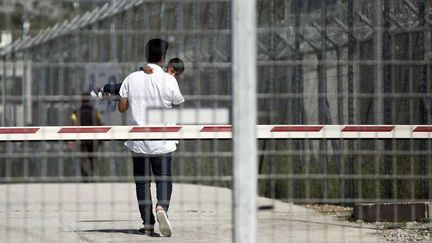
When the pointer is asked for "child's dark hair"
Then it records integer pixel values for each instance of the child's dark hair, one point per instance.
(177, 64)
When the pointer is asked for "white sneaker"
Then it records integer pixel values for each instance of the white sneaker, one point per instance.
(98, 94)
(93, 94)
(164, 224)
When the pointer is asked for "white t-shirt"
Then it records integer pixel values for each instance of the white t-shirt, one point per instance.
(143, 91)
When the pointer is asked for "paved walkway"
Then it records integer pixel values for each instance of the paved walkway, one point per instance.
(107, 212)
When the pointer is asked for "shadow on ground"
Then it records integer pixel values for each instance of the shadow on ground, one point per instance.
(104, 221)
(123, 231)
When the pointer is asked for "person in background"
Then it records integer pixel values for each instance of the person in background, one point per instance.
(86, 116)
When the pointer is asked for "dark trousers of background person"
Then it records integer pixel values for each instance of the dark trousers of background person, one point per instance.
(87, 162)
(160, 166)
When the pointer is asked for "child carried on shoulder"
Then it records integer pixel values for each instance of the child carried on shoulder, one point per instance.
(174, 67)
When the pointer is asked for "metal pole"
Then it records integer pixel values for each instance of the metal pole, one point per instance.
(124, 39)
(387, 119)
(12, 120)
(340, 90)
(378, 88)
(179, 27)
(196, 73)
(62, 44)
(113, 38)
(24, 88)
(411, 55)
(297, 105)
(323, 116)
(393, 106)
(378, 44)
(428, 50)
(136, 35)
(213, 85)
(349, 193)
(100, 57)
(424, 111)
(244, 120)
(271, 190)
(4, 87)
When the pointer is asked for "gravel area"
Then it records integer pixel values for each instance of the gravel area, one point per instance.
(392, 232)
(405, 232)
(343, 213)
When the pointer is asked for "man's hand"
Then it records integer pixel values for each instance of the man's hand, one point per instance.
(147, 70)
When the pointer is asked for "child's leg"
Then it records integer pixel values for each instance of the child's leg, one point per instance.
(113, 89)
(117, 89)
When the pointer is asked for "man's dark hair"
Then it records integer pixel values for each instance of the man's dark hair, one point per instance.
(155, 50)
(177, 64)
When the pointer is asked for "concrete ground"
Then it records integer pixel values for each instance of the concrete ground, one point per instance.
(108, 212)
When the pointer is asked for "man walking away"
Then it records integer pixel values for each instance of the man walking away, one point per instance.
(140, 91)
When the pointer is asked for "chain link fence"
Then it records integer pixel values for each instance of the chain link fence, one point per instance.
(321, 62)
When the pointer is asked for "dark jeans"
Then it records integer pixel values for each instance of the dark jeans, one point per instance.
(113, 89)
(160, 166)
(87, 162)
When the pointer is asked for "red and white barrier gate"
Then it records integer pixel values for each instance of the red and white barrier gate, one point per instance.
(53, 133)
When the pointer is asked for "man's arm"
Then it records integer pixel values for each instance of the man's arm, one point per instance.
(177, 97)
(123, 104)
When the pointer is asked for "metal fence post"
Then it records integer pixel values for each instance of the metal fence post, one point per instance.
(4, 87)
(244, 120)
(350, 193)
